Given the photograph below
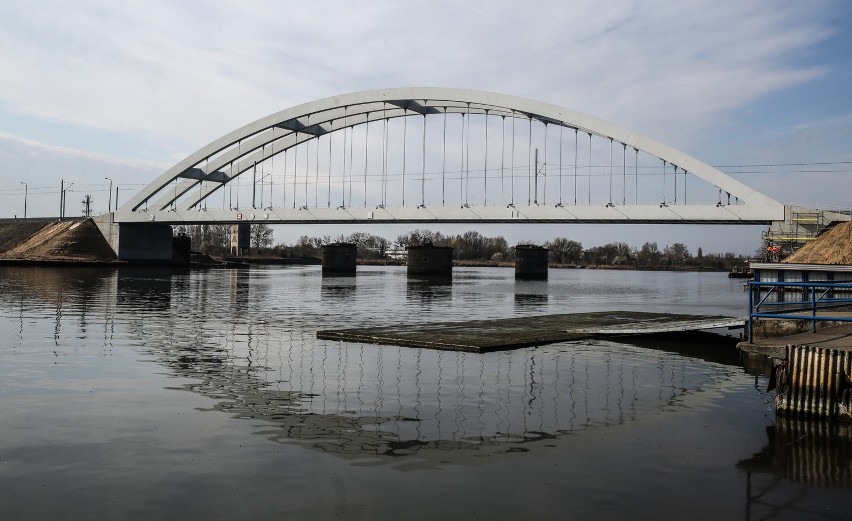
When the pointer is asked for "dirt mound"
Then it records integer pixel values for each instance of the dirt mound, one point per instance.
(13, 234)
(832, 247)
(69, 240)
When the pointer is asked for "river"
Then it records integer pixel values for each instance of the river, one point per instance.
(152, 394)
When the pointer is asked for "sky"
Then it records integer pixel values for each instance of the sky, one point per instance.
(99, 92)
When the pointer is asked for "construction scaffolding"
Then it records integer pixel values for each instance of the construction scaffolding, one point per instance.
(800, 226)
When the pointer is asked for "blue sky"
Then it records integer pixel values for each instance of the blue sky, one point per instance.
(124, 90)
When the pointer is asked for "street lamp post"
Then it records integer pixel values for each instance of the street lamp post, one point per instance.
(25, 199)
(109, 204)
(63, 189)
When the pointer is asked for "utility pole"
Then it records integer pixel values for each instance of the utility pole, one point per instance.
(535, 198)
(62, 190)
(25, 199)
(109, 203)
(254, 185)
(87, 206)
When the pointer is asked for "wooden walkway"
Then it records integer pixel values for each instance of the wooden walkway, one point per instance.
(479, 336)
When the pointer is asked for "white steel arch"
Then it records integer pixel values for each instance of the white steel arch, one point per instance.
(175, 195)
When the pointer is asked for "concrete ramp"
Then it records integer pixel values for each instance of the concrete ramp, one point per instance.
(479, 336)
(676, 324)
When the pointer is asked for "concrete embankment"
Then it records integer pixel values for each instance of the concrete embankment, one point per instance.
(811, 371)
(50, 241)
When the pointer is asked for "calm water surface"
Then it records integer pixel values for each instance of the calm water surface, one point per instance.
(139, 394)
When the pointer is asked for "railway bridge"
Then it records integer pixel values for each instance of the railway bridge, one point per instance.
(432, 155)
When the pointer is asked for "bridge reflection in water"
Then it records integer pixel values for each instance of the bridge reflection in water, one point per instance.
(389, 400)
(243, 343)
(263, 362)
(359, 399)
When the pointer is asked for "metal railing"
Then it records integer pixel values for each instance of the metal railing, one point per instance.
(807, 297)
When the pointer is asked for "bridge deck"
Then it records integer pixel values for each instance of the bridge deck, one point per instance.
(479, 336)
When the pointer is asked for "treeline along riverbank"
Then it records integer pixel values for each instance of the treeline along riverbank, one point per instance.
(81, 241)
(474, 249)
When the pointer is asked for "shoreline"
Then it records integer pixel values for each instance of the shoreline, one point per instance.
(226, 261)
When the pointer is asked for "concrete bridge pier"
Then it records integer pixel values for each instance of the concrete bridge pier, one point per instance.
(143, 242)
(430, 261)
(339, 259)
(530, 262)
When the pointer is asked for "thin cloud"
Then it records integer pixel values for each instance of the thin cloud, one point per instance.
(194, 71)
(82, 154)
(179, 75)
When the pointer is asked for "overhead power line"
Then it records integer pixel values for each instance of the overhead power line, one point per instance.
(770, 165)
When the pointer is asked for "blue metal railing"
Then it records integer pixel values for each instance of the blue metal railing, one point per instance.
(808, 297)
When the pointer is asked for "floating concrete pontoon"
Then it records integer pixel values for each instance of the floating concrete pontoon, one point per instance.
(479, 336)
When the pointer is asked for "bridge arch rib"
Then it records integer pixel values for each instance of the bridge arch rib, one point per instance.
(185, 185)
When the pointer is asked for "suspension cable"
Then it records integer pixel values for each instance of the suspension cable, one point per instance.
(610, 171)
(343, 173)
(503, 160)
(590, 168)
(404, 143)
(328, 202)
(366, 154)
(624, 174)
(576, 132)
(467, 158)
(461, 167)
(529, 164)
(284, 182)
(636, 176)
(317, 175)
(675, 183)
(384, 156)
(512, 170)
(307, 168)
(486, 159)
(544, 168)
(561, 129)
(295, 167)
(237, 175)
(423, 178)
(202, 199)
(254, 188)
(444, 162)
(351, 162)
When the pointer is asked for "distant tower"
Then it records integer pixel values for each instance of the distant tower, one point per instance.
(240, 239)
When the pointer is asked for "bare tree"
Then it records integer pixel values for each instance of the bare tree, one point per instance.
(261, 236)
